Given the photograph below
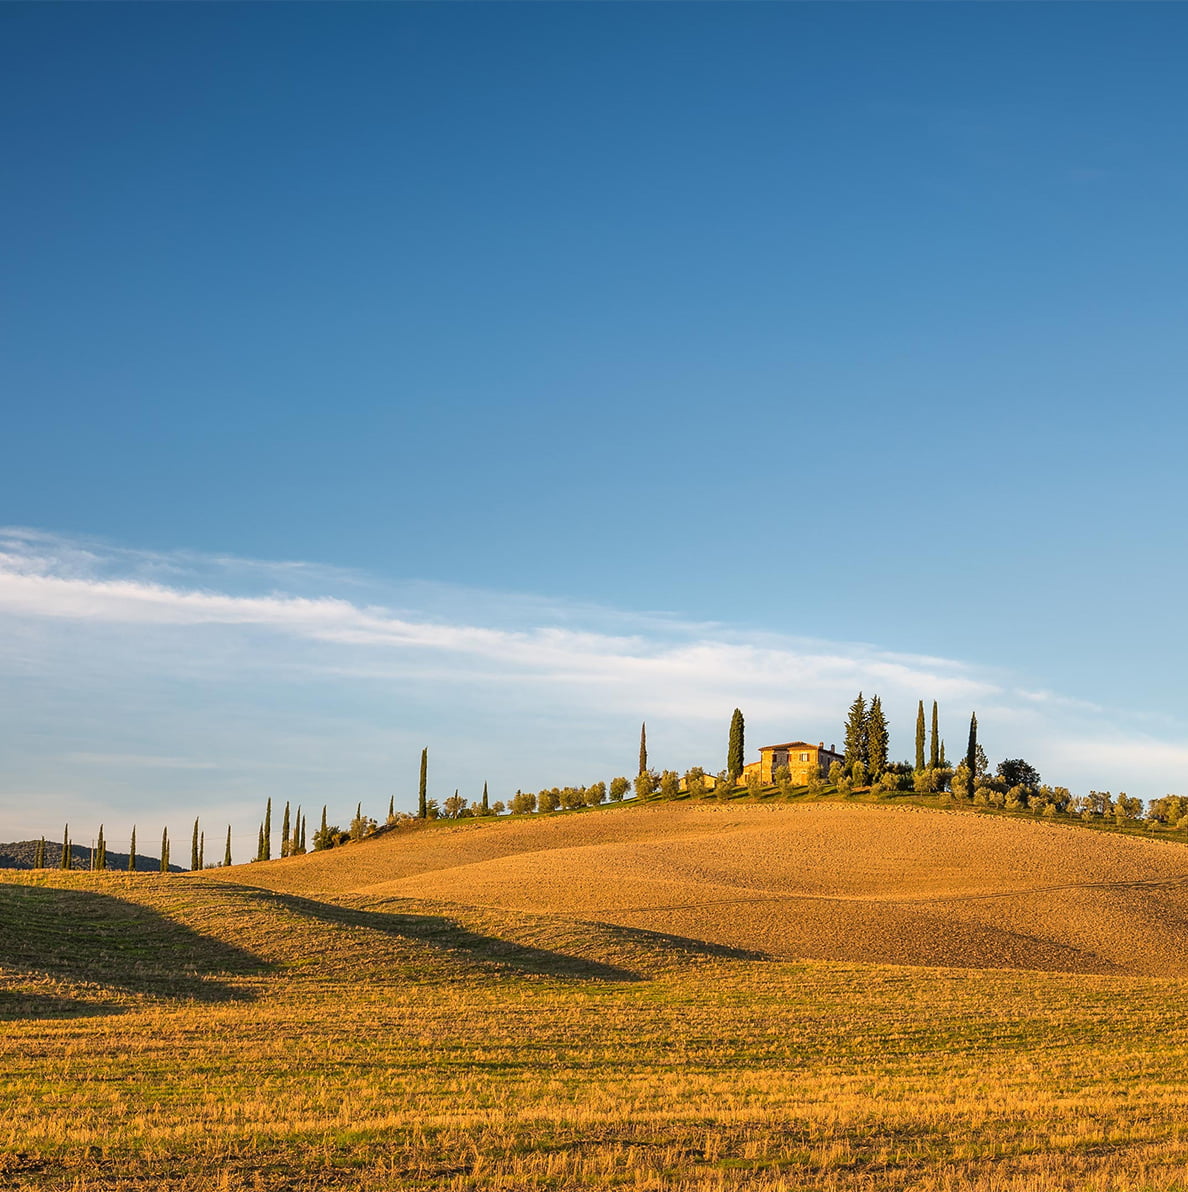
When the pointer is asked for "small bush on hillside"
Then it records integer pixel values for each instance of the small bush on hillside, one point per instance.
(1014, 771)
(754, 784)
(695, 782)
(1171, 809)
(524, 802)
(1127, 809)
(456, 806)
(783, 780)
(618, 789)
(670, 784)
(329, 836)
(645, 784)
(959, 783)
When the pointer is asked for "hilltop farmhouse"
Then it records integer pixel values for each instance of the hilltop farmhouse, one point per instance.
(804, 761)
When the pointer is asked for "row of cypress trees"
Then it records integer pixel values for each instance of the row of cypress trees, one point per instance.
(866, 739)
(98, 859)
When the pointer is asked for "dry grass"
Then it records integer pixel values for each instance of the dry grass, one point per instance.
(185, 1033)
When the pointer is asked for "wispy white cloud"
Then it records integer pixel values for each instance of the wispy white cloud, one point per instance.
(150, 676)
(667, 651)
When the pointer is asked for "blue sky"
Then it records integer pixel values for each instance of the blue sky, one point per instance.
(846, 331)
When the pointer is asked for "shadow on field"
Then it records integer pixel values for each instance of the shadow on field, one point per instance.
(450, 936)
(18, 1005)
(80, 935)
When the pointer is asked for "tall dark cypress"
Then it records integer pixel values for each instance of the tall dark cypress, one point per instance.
(422, 790)
(165, 850)
(877, 739)
(320, 840)
(267, 850)
(971, 753)
(643, 747)
(855, 730)
(195, 862)
(920, 736)
(486, 804)
(260, 844)
(39, 855)
(303, 833)
(227, 850)
(101, 852)
(132, 851)
(202, 850)
(391, 806)
(286, 847)
(934, 758)
(66, 847)
(736, 748)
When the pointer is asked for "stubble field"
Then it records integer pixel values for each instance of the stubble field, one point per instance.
(186, 1032)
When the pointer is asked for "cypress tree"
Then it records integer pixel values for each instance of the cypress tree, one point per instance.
(66, 847)
(486, 804)
(320, 837)
(643, 747)
(971, 753)
(855, 732)
(195, 860)
(876, 738)
(132, 851)
(285, 842)
(391, 806)
(267, 830)
(943, 761)
(303, 833)
(920, 736)
(39, 855)
(227, 850)
(423, 790)
(202, 851)
(934, 758)
(101, 852)
(260, 843)
(736, 749)
(165, 850)
(91, 857)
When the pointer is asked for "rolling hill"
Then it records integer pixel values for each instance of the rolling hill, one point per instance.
(820, 881)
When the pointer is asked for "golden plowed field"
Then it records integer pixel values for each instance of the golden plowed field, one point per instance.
(822, 881)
